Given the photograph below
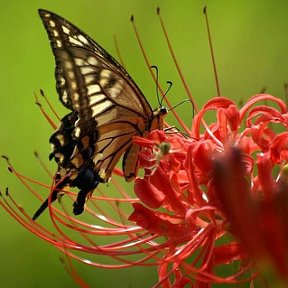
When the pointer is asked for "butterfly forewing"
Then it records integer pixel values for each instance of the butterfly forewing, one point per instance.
(91, 84)
(92, 62)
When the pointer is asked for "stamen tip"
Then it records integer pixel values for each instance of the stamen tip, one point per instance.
(42, 92)
(36, 154)
(205, 9)
(10, 169)
(62, 260)
(158, 10)
(132, 18)
(5, 157)
(263, 90)
(241, 103)
(7, 191)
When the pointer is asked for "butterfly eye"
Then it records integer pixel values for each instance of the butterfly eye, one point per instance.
(163, 110)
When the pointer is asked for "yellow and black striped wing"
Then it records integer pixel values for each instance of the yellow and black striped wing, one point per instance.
(108, 106)
(107, 110)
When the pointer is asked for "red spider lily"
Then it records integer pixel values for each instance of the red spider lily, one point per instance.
(256, 204)
(186, 208)
(194, 199)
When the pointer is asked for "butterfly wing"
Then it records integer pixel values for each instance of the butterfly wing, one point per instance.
(76, 53)
(107, 110)
(111, 108)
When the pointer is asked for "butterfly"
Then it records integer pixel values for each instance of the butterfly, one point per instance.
(106, 110)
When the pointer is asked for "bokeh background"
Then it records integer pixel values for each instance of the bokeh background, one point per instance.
(251, 48)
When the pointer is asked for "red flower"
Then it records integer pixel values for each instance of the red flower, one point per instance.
(209, 192)
(251, 184)
(196, 192)
(257, 207)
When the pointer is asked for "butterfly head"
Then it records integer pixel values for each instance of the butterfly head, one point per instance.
(161, 111)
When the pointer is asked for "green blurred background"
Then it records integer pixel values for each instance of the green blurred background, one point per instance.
(251, 47)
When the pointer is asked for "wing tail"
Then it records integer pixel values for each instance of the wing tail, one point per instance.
(50, 199)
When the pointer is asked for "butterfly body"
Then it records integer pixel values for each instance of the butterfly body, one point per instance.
(107, 110)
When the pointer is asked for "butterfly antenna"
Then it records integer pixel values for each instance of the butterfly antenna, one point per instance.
(182, 102)
(212, 52)
(157, 84)
(170, 84)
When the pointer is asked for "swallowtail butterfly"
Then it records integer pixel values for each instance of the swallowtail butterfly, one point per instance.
(106, 109)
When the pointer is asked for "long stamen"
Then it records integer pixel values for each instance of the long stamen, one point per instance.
(182, 124)
(47, 117)
(116, 44)
(186, 87)
(49, 104)
(212, 52)
(43, 165)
